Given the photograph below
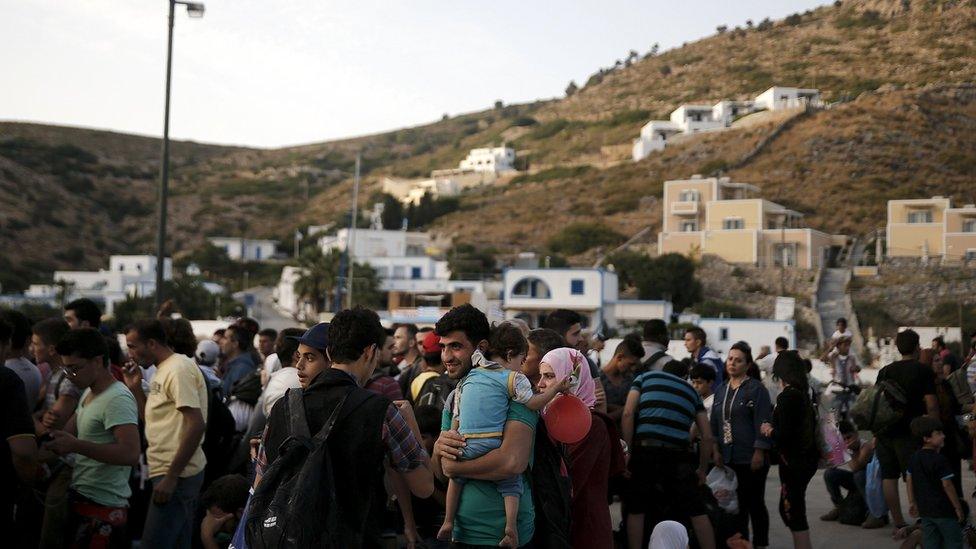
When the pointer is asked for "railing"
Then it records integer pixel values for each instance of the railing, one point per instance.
(689, 207)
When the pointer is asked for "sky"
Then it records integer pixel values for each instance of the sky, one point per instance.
(271, 73)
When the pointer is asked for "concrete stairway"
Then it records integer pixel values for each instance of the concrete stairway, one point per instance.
(833, 301)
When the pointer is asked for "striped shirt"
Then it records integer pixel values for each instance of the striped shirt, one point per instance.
(667, 409)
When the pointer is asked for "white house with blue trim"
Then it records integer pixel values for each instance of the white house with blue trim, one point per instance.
(245, 249)
(533, 293)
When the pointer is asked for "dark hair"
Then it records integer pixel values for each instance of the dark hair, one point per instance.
(83, 343)
(429, 420)
(841, 319)
(240, 334)
(701, 371)
(249, 325)
(506, 340)
(846, 427)
(465, 318)
(228, 492)
(286, 347)
(51, 330)
(697, 333)
(21, 328)
(179, 336)
(657, 331)
(433, 359)
(907, 342)
(545, 340)
(940, 341)
(744, 348)
(351, 331)
(677, 368)
(6, 330)
(86, 309)
(114, 350)
(782, 343)
(630, 346)
(425, 329)
(790, 369)
(561, 320)
(411, 328)
(924, 426)
(148, 329)
(221, 331)
(269, 332)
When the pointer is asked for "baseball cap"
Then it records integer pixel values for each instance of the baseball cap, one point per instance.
(431, 343)
(316, 337)
(207, 352)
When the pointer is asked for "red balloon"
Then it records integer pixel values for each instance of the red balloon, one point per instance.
(567, 419)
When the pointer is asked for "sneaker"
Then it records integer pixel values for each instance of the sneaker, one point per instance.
(874, 523)
(831, 515)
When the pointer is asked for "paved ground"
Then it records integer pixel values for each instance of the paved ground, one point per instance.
(827, 535)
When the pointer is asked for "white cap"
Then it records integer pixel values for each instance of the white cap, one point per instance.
(207, 352)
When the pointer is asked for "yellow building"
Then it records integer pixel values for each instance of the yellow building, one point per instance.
(719, 217)
(927, 227)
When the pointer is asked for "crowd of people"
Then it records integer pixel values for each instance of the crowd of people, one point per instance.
(349, 434)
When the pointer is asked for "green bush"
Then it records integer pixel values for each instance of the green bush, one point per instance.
(670, 276)
(577, 238)
(869, 19)
(548, 129)
(524, 121)
(620, 202)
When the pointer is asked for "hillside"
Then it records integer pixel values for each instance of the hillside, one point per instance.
(904, 125)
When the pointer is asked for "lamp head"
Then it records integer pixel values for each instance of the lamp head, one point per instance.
(195, 9)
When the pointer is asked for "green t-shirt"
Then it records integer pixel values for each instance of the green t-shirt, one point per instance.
(104, 484)
(480, 516)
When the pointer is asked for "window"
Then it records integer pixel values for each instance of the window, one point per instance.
(723, 334)
(689, 226)
(921, 216)
(784, 255)
(730, 223)
(970, 255)
(399, 271)
(415, 273)
(257, 253)
(576, 286)
(690, 195)
(969, 226)
(531, 287)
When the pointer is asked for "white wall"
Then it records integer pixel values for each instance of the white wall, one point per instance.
(377, 243)
(497, 159)
(559, 282)
(138, 265)
(755, 332)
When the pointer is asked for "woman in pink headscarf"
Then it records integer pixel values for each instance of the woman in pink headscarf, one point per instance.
(592, 460)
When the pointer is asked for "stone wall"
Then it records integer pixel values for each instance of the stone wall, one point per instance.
(909, 290)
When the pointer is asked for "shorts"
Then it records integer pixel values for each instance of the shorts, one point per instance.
(477, 447)
(92, 525)
(661, 474)
(893, 455)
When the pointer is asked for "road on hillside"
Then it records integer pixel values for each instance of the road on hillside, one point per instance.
(265, 312)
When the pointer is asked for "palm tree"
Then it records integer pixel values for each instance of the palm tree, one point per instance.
(320, 275)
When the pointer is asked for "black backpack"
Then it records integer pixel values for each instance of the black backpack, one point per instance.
(434, 392)
(853, 509)
(295, 503)
(219, 440)
(551, 493)
(649, 363)
(248, 388)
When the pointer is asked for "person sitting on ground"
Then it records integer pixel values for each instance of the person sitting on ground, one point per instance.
(224, 501)
(931, 493)
(852, 476)
(480, 406)
(618, 375)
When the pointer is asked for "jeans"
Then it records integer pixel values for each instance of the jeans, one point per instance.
(941, 533)
(171, 524)
(752, 503)
(835, 479)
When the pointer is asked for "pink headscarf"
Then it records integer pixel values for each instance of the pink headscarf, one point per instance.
(563, 361)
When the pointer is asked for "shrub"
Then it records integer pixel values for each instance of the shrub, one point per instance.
(620, 202)
(794, 19)
(579, 237)
(548, 129)
(869, 19)
(559, 172)
(524, 121)
(718, 309)
(670, 276)
(665, 70)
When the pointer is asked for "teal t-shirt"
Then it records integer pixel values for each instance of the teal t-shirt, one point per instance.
(480, 517)
(104, 484)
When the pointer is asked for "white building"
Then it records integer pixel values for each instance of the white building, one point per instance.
(531, 294)
(411, 191)
(245, 249)
(781, 97)
(722, 333)
(690, 119)
(127, 275)
(493, 159)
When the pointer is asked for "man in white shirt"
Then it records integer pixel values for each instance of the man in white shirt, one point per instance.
(842, 330)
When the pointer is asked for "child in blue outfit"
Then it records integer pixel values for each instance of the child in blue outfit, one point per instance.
(479, 409)
(931, 494)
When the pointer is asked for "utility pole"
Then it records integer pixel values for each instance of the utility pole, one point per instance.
(351, 242)
(164, 172)
(782, 259)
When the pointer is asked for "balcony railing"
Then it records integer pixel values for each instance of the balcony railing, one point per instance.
(689, 207)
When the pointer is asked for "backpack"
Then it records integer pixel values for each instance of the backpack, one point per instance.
(434, 390)
(960, 388)
(551, 493)
(853, 509)
(248, 388)
(649, 363)
(219, 439)
(879, 407)
(295, 504)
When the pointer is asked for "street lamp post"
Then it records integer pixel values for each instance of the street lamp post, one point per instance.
(195, 10)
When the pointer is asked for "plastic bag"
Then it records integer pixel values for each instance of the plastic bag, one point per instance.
(239, 540)
(723, 484)
(834, 448)
(873, 490)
